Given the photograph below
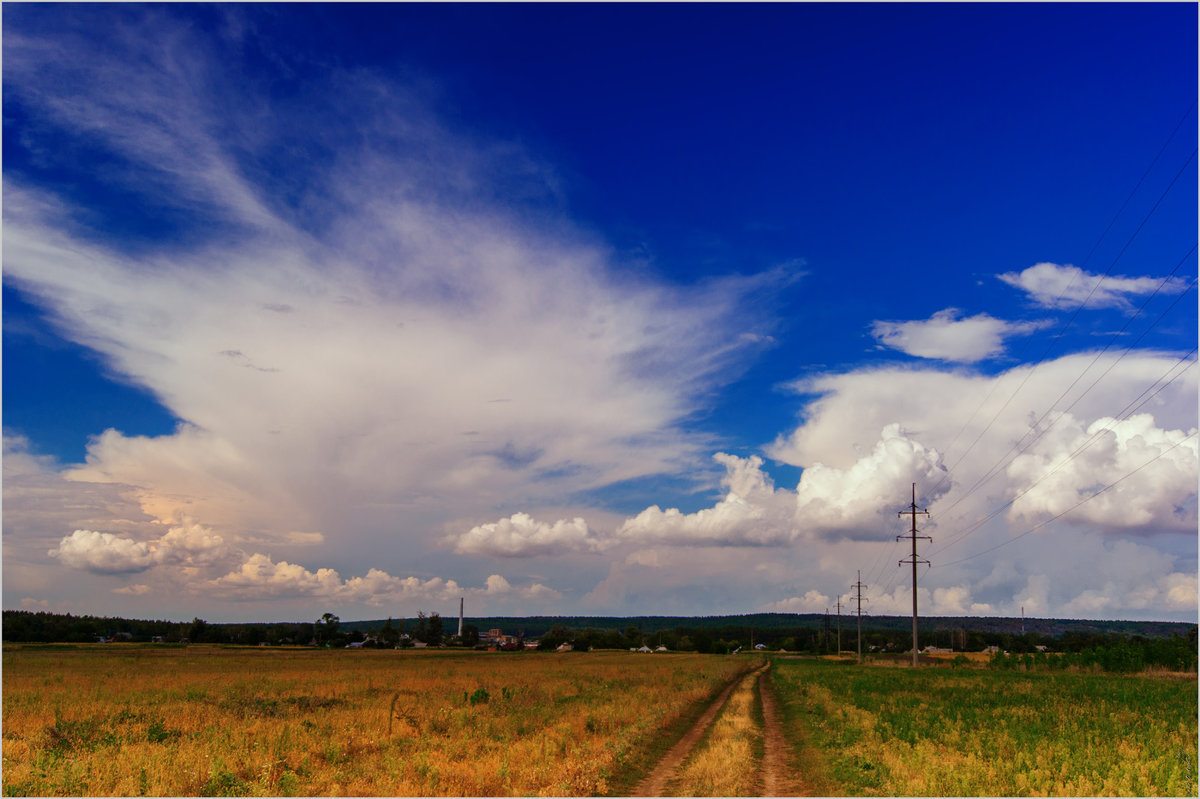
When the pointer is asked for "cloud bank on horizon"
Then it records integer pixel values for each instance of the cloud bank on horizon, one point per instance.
(403, 368)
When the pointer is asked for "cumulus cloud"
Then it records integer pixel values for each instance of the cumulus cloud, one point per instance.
(753, 513)
(995, 440)
(103, 553)
(954, 600)
(1157, 470)
(1056, 286)
(813, 601)
(947, 337)
(521, 535)
(848, 501)
(856, 498)
(189, 544)
(259, 577)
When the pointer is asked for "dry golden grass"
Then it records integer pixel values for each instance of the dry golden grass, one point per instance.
(131, 720)
(727, 762)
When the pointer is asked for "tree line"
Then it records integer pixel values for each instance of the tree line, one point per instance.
(1108, 651)
(43, 627)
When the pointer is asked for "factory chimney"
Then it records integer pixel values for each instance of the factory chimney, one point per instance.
(460, 616)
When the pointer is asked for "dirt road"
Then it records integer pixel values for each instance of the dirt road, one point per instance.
(656, 781)
(777, 778)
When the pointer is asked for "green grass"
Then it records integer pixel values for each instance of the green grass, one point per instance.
(965, 732)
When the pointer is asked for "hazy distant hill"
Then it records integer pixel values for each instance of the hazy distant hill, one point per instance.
(533, 626)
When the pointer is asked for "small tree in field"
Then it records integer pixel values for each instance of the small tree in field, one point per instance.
(436, 630)
(326, 629)
(389, 636)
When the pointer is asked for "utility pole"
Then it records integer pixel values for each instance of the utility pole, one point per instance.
(913, 560)
(839, 607)
(858, 587)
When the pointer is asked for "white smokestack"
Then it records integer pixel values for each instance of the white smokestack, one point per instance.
(460, 616)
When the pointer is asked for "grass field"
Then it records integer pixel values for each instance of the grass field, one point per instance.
(202, 720)
(975, 732)
(206, 720)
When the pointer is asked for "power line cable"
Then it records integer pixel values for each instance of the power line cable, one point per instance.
(1037, 527)
(1036, 428)
(1085, 262)
(1078, 451)
(1023, 445)
(1054, 341)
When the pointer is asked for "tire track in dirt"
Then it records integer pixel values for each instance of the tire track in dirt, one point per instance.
(778, 779)
(654, 783)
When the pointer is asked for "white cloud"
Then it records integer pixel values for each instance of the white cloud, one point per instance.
(853, 501)
(954, 600)
(813, 601)
(191, 544)
(975, 424)
(372, 342)
(104, 553)
(946, 337)
(1159, 493)
(1054, 286)
(651, 558)
(752, 513)
(388, 339)
(521, 535)
(497, 586)
(858, 498)
(260, 577)
(1180, 591)
(186, 545)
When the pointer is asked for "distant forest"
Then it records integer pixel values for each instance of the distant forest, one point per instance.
(812, 632)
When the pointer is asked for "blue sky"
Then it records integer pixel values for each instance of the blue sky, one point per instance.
(613, 309)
